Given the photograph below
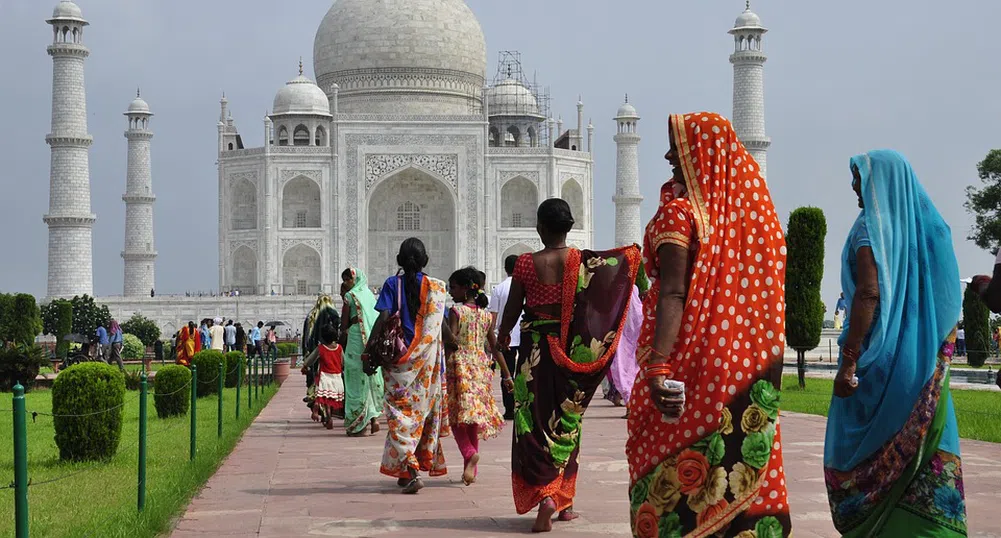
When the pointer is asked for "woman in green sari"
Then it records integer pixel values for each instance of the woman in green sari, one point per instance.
(363, 394)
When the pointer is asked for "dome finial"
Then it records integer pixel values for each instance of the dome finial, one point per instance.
(137, 92)
(747, 5)
(300, 66)
(627, 97)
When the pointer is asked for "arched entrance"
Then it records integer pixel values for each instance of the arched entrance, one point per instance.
(245, 271)
(301, 272)
(574, 197)
(410, 203)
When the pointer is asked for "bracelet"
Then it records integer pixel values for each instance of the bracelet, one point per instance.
(659, 354)
(655, 370)
(850, 354)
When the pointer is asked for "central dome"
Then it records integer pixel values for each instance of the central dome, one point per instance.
(401, 56)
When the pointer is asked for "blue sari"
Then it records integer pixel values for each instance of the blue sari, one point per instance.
(891, 456)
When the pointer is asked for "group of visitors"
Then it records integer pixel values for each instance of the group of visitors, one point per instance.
(695, 353)
(109, 343)
(213, 333)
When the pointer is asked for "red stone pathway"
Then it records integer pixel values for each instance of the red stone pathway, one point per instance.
(289, 477)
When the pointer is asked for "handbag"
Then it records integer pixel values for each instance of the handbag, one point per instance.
(387, 347)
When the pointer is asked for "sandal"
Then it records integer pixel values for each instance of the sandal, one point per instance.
(413, 486)
(375, 426)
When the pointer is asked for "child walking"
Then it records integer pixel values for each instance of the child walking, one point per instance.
(329, 399)
(472, 411)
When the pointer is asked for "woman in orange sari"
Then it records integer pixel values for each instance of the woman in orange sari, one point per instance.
(189, 343)
(706, 460)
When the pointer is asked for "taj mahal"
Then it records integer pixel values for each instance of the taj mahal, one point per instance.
(405, 131)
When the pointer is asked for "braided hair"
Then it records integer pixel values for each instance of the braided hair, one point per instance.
(412, 259)
(474, 282)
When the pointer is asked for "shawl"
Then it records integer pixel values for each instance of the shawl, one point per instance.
(364, 303)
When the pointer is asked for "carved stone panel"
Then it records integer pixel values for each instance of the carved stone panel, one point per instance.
(379, 165)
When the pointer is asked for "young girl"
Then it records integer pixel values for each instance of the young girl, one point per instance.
(329, 401)
(472, 411)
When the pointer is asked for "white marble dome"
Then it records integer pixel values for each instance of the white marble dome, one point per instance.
(138, 106)
(401, 56)
(512, 98)
(626, 111)
(747, 19)
(301, 96)
(67, 10)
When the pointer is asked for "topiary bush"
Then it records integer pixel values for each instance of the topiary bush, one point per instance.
(287, 349)
(208, 362)
(977, 322)
(20, 319)
(144, 328)
(169, 394)
(20, 363)
(235, 361)
(804, 273)
(132, 348)
(87, 401)
(57, 320)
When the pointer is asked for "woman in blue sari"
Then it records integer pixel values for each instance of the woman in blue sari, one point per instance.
(891, 457)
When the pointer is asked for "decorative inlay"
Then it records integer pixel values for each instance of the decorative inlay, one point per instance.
(249, 176)
(315, 244)
(534, 244)
(235, 245)
(379, 165)
(531, 176)
(288, 175)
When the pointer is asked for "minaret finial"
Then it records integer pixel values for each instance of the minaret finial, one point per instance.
(747, 5)
(137, 92)
(627, 97)
(300, 66)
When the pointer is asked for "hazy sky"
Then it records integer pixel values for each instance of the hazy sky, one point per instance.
(842, 78)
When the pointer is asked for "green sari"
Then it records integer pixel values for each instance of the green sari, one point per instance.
(363, 394)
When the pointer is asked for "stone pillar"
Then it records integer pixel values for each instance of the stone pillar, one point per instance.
(139, 253)
(627, 198)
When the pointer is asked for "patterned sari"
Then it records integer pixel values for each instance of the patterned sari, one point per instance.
(363, 394)
(891, 457)
(718, 471)
(561, 363)
(415, 397)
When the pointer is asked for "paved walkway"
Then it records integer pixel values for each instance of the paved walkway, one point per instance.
(289, 477)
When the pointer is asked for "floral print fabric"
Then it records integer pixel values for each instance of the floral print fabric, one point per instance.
(725, 453)
(469, 376)
(415, 395)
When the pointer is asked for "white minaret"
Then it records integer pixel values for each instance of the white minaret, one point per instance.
(139, 253)
(69, 218)
(628, 226)
(748, 61)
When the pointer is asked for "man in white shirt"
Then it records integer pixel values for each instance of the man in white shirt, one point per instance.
(498, 300)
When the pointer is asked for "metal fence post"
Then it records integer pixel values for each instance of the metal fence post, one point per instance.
(194, 406)
(257, 377)
(239, 381)
(143, 393)
(222, 385)
(20, 464)
(250, 389)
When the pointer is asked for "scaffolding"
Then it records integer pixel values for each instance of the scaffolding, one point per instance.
(535, 102)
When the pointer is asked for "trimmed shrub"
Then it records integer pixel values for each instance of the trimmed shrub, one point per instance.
(20, 364)
(208, 361)
(20, 319)
(804, 273)
(977, 322)
(57, 320)
(235, 361)
(87, 401)
(287, 349)
(132, 348)
(144, 328)
(169, 394)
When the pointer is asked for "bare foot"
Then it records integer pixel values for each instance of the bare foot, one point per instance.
(402, 482)
(413, 486)
(568, 515)
(469, 471)
(375, 426)
(544, 521)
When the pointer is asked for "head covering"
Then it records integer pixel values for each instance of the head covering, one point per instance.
(217, 321)
(114, 327)
(920, 300)
(364, 302)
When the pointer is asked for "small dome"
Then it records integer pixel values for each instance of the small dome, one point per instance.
(747, 19)
(512, 98)
(301, 96)
(67, 10)
(626, 111)
(138, 106)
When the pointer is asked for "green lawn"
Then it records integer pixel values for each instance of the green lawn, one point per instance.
(978, 412)
(101, 499)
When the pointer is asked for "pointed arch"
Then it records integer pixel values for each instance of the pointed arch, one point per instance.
(519, 203)
(244, 271)
(301, 204)
(243, 211)
(573, 194)
(301, 271)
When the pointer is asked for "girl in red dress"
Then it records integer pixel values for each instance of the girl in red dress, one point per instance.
(329, 402)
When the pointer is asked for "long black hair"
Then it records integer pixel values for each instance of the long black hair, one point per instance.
(474, 281)
(328, 323)
(413, 258)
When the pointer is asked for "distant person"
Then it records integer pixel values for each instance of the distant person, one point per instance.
(329, 356)
(230, 336)
(102, 342)
(204, 333)
(498, 300)
(116, 340)
(255, 339)
(839, 313)
(241, 338)
(218, 334)
(961, 341)
(189, 343)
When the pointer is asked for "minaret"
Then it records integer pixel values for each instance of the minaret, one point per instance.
(748, 61)
(69, 218)
(628, 227)
(139, 253)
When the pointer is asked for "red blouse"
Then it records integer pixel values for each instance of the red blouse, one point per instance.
(536, 293)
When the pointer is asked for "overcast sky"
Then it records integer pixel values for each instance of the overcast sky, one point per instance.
(842, 78)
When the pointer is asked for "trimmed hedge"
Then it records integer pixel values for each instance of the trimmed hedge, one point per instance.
(57, 320)
(208, 361)
(287, 349)
(132, 348)
(804, 273)
(87, 401)
(20, 364)
(235, 361)
(20, 319)
(169, 396)
(977, 322)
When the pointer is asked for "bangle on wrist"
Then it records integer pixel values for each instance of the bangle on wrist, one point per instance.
(850, 354)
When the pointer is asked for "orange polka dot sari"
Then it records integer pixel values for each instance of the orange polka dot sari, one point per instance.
(719, 470)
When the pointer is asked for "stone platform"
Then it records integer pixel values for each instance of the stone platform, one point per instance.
(290, 477)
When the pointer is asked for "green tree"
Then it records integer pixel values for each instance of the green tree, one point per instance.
(144, 328)
(977, 322)
(804, 273)
(984, 203)
(57, 320)
(88, 315)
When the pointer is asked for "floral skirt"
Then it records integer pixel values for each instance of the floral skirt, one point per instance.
(470, 395)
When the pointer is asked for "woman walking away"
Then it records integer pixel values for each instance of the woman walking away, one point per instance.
(363, 393)
(329, 358)
(704, 445)
(891, 457)
(116, 339)
(574, 304)
(188, 344)
(472, 411)
(414, 396)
